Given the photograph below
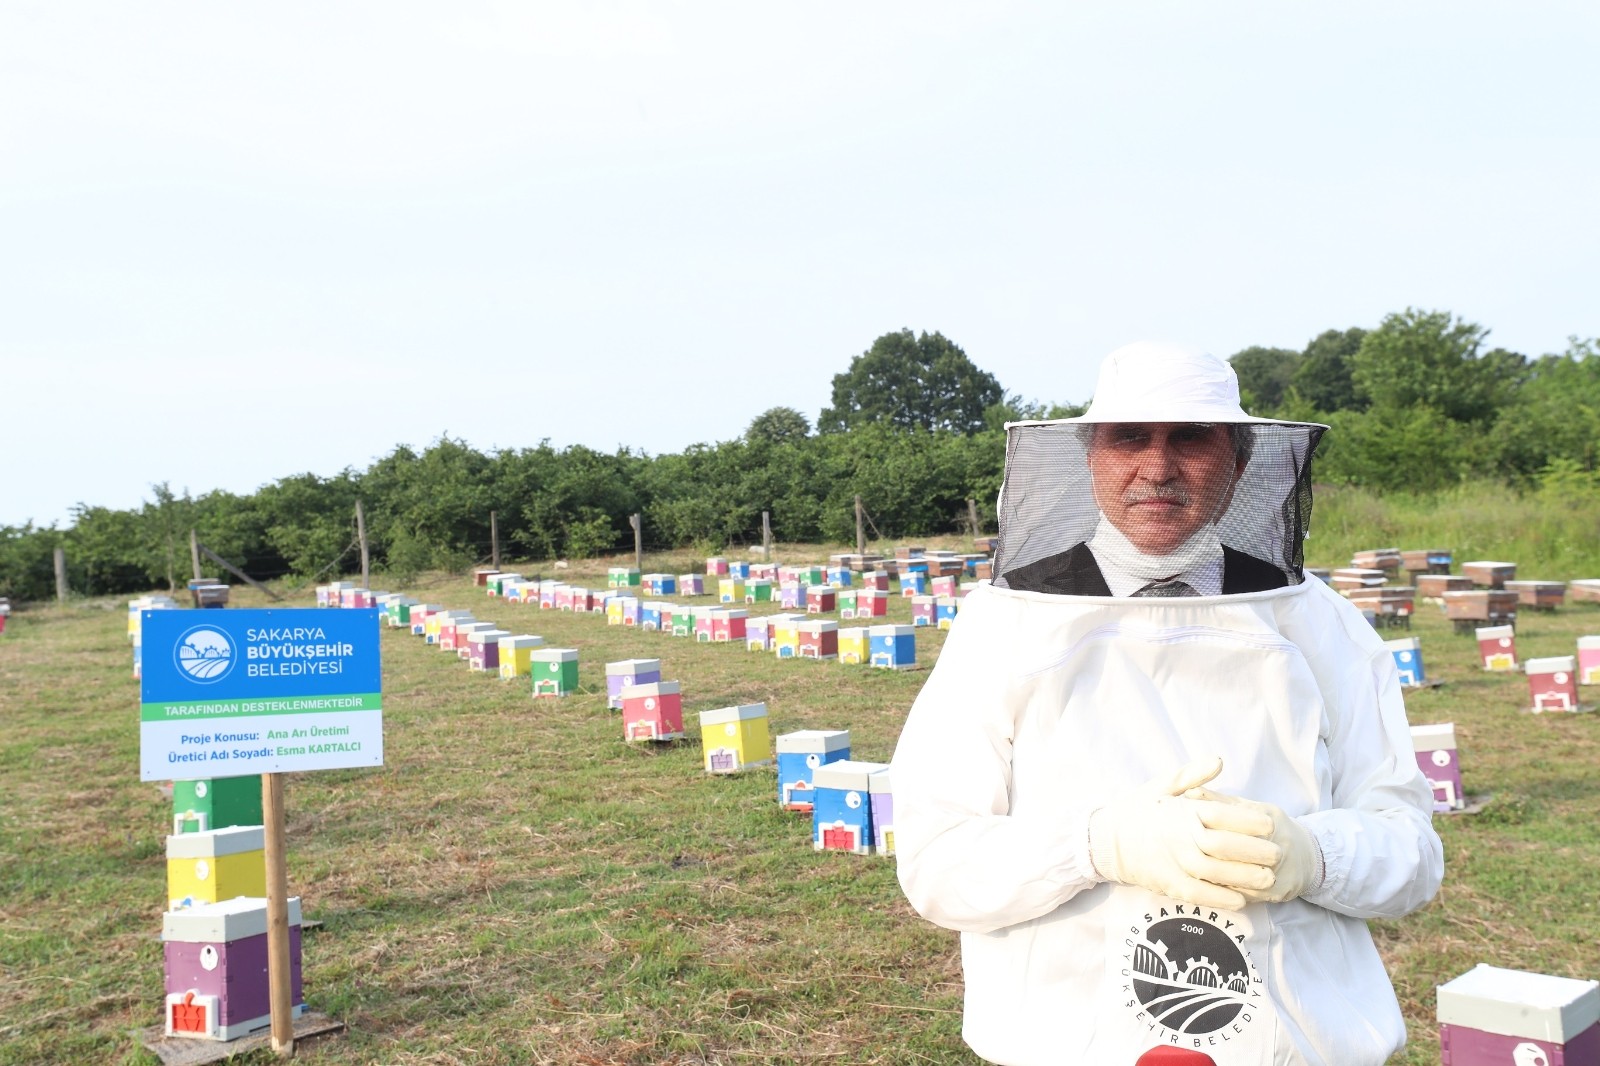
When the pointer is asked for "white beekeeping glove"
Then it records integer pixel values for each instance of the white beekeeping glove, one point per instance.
(1299, 868)
(1193, 849)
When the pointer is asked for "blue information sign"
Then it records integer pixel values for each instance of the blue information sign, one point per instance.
(233, 692)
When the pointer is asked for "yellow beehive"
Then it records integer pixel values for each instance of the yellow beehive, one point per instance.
(735, 738)
(853, 645)
(730, 590)
(514, 652)
(216, 865)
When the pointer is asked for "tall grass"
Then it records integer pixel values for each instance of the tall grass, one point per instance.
(1551, 532)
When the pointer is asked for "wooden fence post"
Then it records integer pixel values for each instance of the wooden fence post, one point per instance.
(766, 536)
(638, 541)
(361, 534)
(494, 540)
(61, 577)
(861, 532)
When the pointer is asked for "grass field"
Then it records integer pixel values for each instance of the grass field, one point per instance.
(518, 885)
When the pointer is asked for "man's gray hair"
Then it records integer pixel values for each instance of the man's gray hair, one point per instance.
(1243, 436)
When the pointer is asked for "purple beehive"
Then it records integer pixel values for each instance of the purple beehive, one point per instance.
(623, 675)
(1494, 1017)
(882, 794)
(216, 961)
(1435, 746)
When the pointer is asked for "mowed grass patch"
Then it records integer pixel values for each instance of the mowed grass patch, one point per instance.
(516, 884)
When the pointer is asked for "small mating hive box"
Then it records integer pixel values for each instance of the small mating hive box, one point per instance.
(1497, 647)
(652, 712)
(554, 671)
(1553, 683)
(735, 738)
(1494, 1017)
(1439, 762)
(215, 803)
(216, 968)
(799, 755)
(215, 865)
(514, 652)
(841, 815)
(622, 676)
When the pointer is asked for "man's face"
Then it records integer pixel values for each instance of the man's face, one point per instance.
(1159, 482)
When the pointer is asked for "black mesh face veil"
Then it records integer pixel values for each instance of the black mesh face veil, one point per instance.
(1247, 485)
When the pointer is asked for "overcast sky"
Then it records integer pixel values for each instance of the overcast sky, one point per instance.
(240, 242)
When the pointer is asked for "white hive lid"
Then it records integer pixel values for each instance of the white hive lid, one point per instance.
(1441, 735)
(814, 740)
(222, 922)
(846, 774)
(1517, 1003)
(1555, 664)
(723, 715)
(215, 842)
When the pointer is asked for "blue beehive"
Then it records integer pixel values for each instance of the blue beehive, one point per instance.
(799, 755)
(1407, 652)
(739, 570)
(841, 815)
(914, 582)
(892, 647)
(650, 615)
(839, 577)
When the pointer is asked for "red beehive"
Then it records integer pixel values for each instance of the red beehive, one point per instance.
(652, 712)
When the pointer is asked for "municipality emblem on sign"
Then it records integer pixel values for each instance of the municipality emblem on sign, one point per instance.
(204, 655)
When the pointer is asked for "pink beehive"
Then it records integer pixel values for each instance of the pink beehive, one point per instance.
(716, 566)
(922, 611)
(819, 639)
(702, 625)
(872, 603)
(1589, 660)
(564, 595)
(1497, 647)
(549, 593)
(728, 625)
(1553, 684)
(875, 579)
(766, 571)
(691, 585)
(943, 586)
(821, 599)
(652, 712)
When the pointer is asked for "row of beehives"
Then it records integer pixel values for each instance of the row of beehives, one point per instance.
(850, 801)
(5, 612)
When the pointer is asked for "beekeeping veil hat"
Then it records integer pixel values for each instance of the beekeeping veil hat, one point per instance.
(1258, 502)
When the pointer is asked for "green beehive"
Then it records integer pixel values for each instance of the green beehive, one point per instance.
(216, 803)
(813, 575)
(554, 671)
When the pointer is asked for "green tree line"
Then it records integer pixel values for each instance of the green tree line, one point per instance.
(915, 428)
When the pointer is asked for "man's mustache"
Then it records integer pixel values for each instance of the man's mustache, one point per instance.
(1163, 493)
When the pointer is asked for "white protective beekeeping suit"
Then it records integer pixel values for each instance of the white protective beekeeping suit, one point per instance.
(1048, 705)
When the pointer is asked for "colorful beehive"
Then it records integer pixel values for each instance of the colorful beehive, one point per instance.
(1494, 1017)
(821, 599)
(703, 631)
(322, 596)
(893, 647)
(819, 639)
(216, 864)
(1539, 595)
(691, 585)
(922, 611)
(463, 637)
(622, 577)
(758, 633)
(501, 581)
(882, 792)
(1584, 590)
(737, 568)
(786, 635)
(730, 590)
(1589, 660)
(614, 610)
(684, 619)
(554, 671)
(661, 584)
(853, 645)
(441, 621)
(483, 649)
(1497, 647)
(716, 566)
(840, 577)
(847, 602)
(944, 611)
(1489, 575)
(792, 596)
(799, 755)
(942, 586)
(650, 615)
(768, 571)
(735, 738)
(841, 814)
(584, 600)
(514, 652)
(729, 625)
(875, 579)
(913, 583)
(216, 968)
(550, 595)
(1435, 746)
(1407, 653)
(215, 803)
(624, 675)
(399, 612)
(481, 575)
(652, 711)
(872, 603)
(1553, 683)
(1434, 586)
(812, 575)
(758, 590)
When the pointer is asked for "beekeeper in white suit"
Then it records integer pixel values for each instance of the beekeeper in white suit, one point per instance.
(1158, 779)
